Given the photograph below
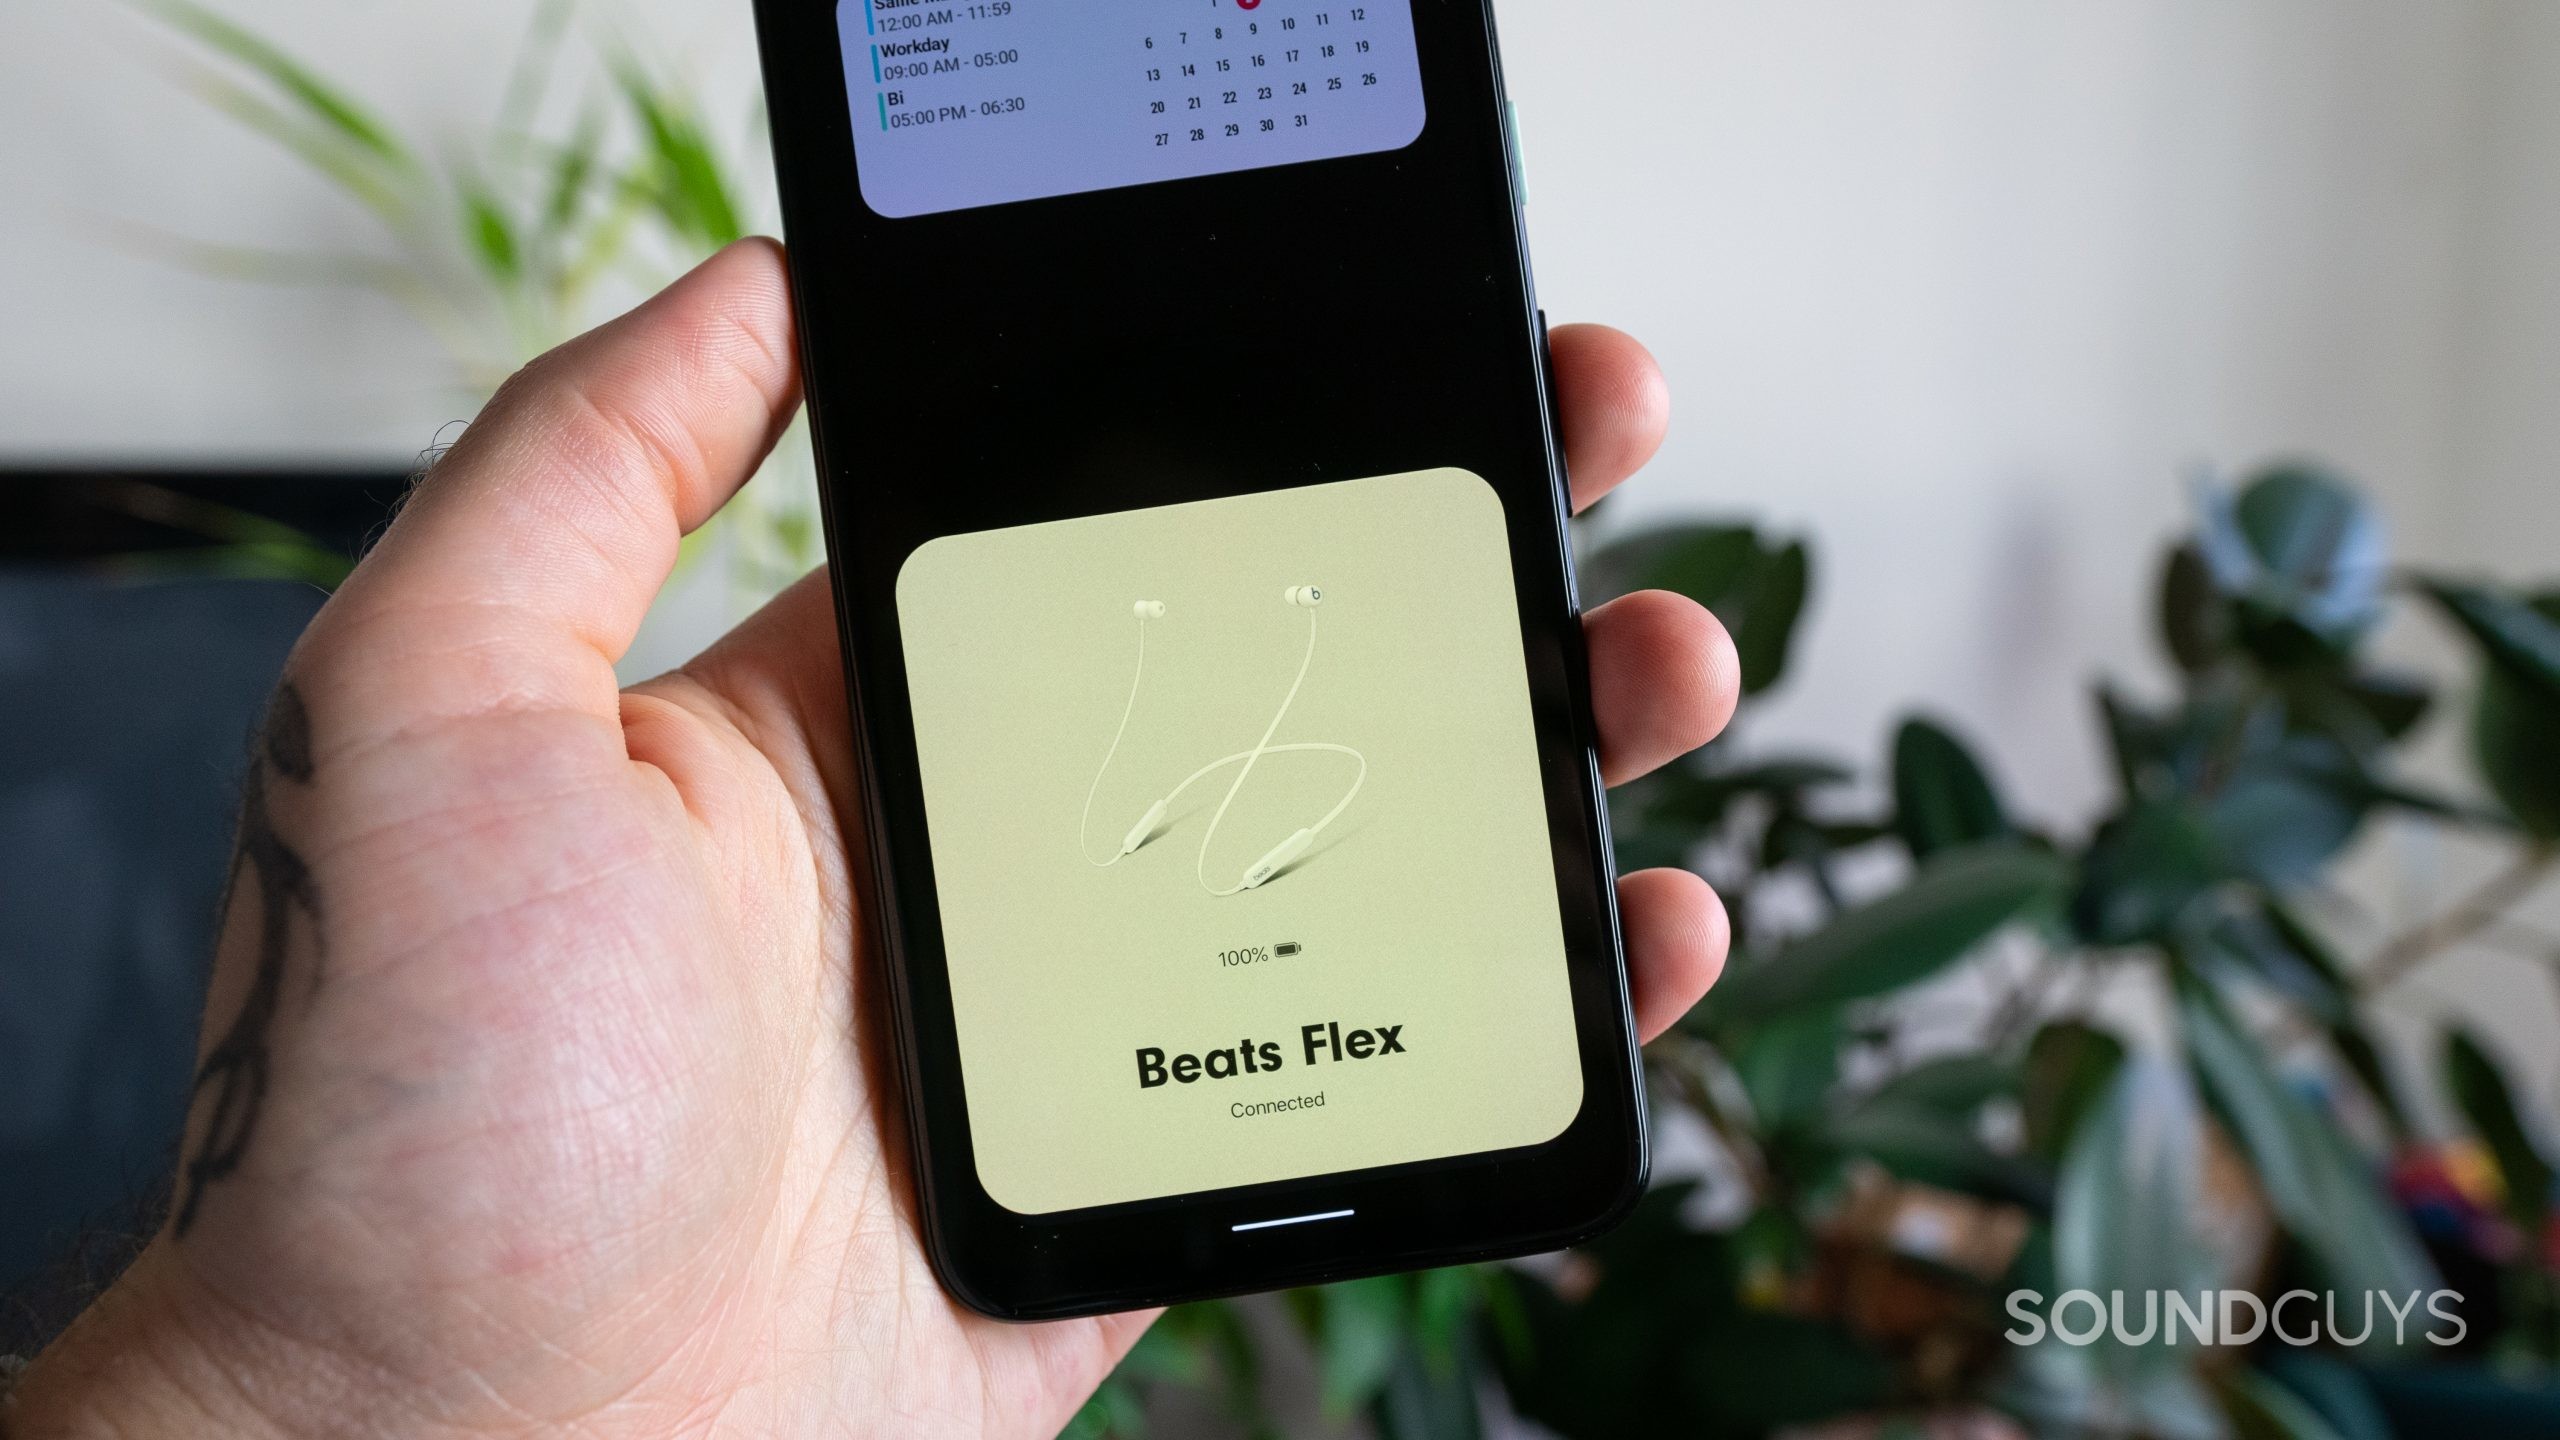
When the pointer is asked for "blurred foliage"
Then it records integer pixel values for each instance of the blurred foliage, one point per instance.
(594, 184)
(1915, 1102)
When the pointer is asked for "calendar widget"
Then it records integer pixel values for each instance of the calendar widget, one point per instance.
(982, 102)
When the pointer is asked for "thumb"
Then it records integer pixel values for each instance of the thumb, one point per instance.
(519, 571)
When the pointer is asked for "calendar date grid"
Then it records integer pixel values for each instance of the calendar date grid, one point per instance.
(1253, 73)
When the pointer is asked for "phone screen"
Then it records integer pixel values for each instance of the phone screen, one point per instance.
(1199, 544)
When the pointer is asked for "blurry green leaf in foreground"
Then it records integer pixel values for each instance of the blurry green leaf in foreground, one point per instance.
(1958, 1084)
(1941, 797)
(2287, 811)
(2516, 721)
(2302, 553)
(331, 107)
(1664, 1344)
(2322, 1193)
(2195, 622)
(2327, 995)
(2472, 1079)
(2261, 1409)
(2132, 1187)
(684, 180)
(1789, 1065)
(2128, 1205)
(2522, 636)
(2126, 1228)
(2144, 868)
(1360, 1329)
(1954, 902)
(1937, 1147)
(2070, 1066)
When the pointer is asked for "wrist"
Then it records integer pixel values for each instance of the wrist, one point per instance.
(139, 1363)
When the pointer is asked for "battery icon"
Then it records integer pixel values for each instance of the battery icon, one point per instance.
(1285, 948)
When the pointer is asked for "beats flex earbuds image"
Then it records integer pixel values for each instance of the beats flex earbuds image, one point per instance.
(1278, 857)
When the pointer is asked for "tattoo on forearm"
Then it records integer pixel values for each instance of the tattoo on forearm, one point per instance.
(235, 1069)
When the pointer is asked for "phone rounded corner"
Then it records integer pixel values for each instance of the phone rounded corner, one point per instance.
(973, 1292)
(1619, 1200)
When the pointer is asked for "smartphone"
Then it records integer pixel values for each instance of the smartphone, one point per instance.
(1233, 841)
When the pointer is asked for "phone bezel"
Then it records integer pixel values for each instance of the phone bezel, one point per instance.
(1174, 1248)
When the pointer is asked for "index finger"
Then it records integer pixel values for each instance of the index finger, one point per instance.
(1615, 407)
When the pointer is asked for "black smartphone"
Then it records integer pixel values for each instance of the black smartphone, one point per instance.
(1233, 834)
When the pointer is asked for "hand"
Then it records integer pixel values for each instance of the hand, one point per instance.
(539, 1093)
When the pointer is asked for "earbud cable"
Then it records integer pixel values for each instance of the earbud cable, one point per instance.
(1085, 822)
(1295, 747)
(1201, 868)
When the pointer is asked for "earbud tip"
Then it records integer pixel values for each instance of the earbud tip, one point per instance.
(1148, 609)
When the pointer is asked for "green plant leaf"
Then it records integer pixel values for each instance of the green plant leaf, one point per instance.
(2330, 1386)
(2247, 945)
(2261, 1409)
(1667, 1343)
(488, 233)
(2125, 1229)
(1769, 619)
(2393, 701)
(2512, 730)
(240, 544)
(1360, 1328)
(2127, 1204)
(1959, 1084)
(2517, 711)
(2142, 871)
(1506, 1315)
(573, 174)
(2363, 1059)
(2134, 740)
(2347, 1034)
(1704, 562)
(2519, 634)
(1114, 1413)
(1788, 1066)
(2285, 815)
(682, 178)
(2322, 1193)
(1701, 791)
(1425, 1401)
(1936, 1146)
(1444, 1311)
(1165, 1353)
(1941, 797)
(2070, 1066)
(2195, 619)
(2479, 1089)
(2304, 555)
(384, 194)
(1701, 562)
(317, 98)
(1954, 901)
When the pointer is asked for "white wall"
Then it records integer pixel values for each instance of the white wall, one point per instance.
(1955, 286)
(2505, 511)
(1961, 288)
